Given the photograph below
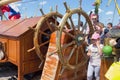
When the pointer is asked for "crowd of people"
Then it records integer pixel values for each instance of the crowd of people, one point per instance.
(96, 43)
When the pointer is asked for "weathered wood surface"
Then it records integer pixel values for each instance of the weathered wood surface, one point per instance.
(52, 67)
(105, 64)
(51, 61)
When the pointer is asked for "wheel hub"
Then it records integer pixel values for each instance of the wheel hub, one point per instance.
(79, 39)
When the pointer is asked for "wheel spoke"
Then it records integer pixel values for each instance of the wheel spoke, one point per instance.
(76, 61)
(69, 34)
(79, 22)
(44, 33)
(73, 26)
(61, 72)
(71, 53)
(31, 49)
(67, 45)
(83, 53)
(54, 25)
(43, 43)
(84, 27)
(55, 17)
(49, 26)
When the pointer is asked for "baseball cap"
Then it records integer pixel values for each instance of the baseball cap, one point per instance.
(95, 36)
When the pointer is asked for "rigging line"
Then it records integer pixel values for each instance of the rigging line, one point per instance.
(42, 4)
(113, 14)
(36, 11)
(28, 1)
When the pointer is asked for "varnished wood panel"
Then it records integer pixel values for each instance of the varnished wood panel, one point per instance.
(31, 66)
(105, 64)
(26, 43)
(12, 48)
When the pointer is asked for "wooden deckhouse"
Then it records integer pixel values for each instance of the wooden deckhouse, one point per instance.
(17, 38)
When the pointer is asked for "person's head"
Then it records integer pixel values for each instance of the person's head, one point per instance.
(99, 27)
(109, 25)
(95, 37)
(94, 18)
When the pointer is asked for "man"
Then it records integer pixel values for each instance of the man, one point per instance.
(109, 25)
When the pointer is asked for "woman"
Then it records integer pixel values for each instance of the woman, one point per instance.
(94, 52)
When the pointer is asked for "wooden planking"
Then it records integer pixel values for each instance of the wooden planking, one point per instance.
(18, 27)
(27, 43)
(12, 48)
(8, 24)
(105, 64)
(29, 61)
(51, 66)
(30, 66)
(51, 63)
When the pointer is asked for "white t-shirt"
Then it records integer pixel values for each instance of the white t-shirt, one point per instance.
(95, 58)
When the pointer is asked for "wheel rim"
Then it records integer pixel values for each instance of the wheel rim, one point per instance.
(42, 34)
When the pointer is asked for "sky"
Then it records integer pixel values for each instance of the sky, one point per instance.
(30, 8)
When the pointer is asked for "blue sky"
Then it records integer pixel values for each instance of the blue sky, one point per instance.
(30, 8)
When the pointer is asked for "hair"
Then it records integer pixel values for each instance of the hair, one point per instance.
(110, 24)
(101, 25)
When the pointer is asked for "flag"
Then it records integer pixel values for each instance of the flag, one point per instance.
(13, 11)
(5, 8)
(118, 9)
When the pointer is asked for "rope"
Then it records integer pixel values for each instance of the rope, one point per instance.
(113, 14)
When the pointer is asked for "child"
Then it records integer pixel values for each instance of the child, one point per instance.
(94, 52)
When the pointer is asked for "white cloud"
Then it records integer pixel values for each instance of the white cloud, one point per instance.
(100, 10)
(109, 13)
(43, 2)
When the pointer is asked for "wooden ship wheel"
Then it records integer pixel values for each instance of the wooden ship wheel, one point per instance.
(71, 43)
(46, 25)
